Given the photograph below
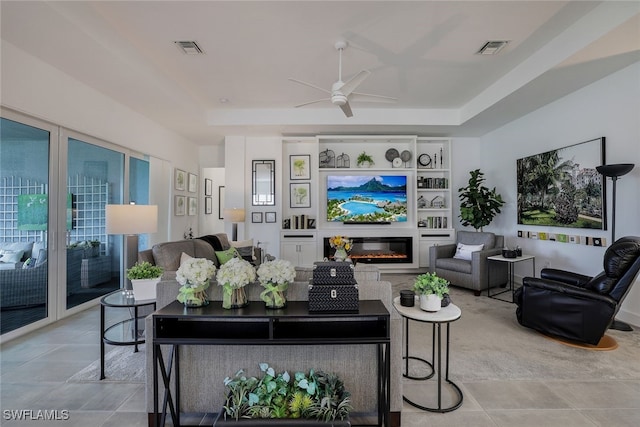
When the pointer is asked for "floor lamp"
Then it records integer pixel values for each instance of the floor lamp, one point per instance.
(614, 172)
(234, 215)
(130, 221)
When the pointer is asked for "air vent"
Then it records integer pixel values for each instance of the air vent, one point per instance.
(189, 47)
(492, 47)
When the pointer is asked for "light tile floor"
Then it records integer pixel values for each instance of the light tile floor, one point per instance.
(35, 368)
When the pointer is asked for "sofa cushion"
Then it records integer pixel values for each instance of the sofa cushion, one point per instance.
(167, 254)
(454, 264)
(464, 251)
(11, 256)
(41, 257)
(245, 249)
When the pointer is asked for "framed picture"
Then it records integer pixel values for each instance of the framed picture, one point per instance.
(562, 188)
(193, 206)
(299, 167)
(193, 183)
(208, 205)
(220, 201)
(270, 217)
(299, 195)
(180, 205)
(208, 187)
(256, 217)
(180, 179)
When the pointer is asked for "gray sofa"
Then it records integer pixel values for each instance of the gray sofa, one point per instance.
(203, 369)
(473, 274)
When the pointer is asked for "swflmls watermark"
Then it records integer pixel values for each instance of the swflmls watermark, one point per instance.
(35, 414)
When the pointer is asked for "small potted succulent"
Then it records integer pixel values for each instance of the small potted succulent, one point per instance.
(431, 290)
(144, 276)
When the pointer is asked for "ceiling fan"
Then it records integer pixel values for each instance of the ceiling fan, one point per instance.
(343, 92)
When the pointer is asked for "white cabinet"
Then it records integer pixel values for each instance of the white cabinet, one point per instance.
(299, 247)
(428, 238)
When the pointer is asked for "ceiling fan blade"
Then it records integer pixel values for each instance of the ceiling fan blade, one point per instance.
(313, 102)
(346, 109)
(367, 97)
(310, 85)
(354, 82)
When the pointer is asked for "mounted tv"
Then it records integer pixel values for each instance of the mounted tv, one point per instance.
(367, 199)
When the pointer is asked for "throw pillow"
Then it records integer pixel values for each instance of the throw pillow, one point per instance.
(224, 256)
(184, 257)
(11, 256)
(28, 263)
(464, 251)
(245, 249)
(41, 257)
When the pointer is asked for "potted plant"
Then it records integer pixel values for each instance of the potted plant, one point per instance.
(431, 290)
(233, 276)
(364, 160)
(479, 205)
(194, 274)
(275, 396)
(275, 277)
(144, 276)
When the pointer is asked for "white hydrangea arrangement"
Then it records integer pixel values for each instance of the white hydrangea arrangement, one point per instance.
(275, 277)
(233, 276)
(194, 274)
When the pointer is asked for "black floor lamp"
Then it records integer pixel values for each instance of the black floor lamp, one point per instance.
(614, 172)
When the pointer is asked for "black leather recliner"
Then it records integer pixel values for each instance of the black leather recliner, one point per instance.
(576, 307)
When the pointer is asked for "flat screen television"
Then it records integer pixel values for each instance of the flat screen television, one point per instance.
(367, 198)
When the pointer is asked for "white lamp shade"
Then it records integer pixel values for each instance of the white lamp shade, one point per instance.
(234, 215)
(131, 219)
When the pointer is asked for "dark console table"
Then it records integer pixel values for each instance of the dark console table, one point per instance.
(176, 326)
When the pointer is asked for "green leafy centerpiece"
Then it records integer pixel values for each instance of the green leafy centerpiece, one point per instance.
(275, 277)
(144, 276)
(316, 395)
(195, 275)
(431, 289)
(233, 276)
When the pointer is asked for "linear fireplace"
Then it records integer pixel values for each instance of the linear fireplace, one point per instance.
(377, 250)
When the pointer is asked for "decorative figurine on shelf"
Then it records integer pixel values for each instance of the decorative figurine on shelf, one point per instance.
(422, 202)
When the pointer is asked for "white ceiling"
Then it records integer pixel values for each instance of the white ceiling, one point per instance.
(421, 52)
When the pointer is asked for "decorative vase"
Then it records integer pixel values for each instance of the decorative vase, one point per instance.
(340, 255)
(430, 302)
(274, 295)
(192, 296)
(199, 299)
(234, 297)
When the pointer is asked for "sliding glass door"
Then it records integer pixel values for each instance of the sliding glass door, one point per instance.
(25, 202)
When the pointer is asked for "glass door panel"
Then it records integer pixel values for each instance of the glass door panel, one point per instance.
(24, 224)
(95, 179)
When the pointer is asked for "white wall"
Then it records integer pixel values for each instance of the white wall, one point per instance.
(37, 89)
(609, 108)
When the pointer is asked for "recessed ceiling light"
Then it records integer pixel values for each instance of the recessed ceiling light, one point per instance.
(223, 100)
(189, 47)
(492, 47)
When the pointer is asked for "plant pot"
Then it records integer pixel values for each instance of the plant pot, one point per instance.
(284, 422)
(144, 289)
(430, 302)
(340, 254)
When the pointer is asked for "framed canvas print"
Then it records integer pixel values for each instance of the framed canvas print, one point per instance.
(299, 167)
(193, 183)
(300, 196)
(180, 207)
(270, 217)
(208, 205)
(208, 187)
(180, 179)
(193, 206)
(562, 188)
(256, 217)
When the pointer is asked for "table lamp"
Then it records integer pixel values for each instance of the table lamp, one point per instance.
(130, 221)
(614, 172)
(234, 215)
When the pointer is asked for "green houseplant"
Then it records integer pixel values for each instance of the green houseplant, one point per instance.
(431, 290)
(316, 396)
(144, 276)
(364, 160)
(478, 204)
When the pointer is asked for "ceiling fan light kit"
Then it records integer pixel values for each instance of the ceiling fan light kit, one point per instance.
(342, 92)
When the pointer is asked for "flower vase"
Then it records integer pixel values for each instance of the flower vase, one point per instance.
(340, 255)
(234, 297)
(274, 295)
(192, 296)
(199, 299)
(430, 302)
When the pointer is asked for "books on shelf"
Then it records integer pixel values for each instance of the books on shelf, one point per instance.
(299, 222)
